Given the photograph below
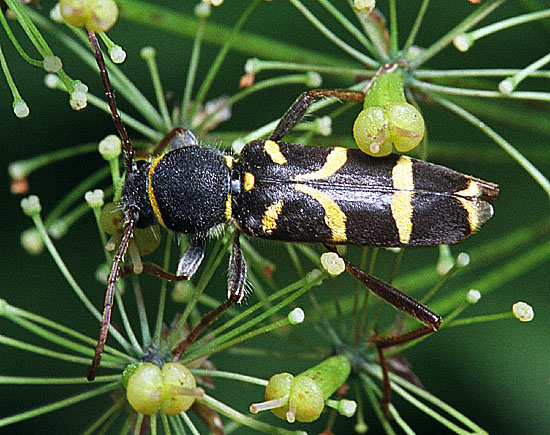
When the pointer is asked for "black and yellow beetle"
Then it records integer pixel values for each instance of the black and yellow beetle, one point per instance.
(294, 193)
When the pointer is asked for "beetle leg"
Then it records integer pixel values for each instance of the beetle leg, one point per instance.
(110, 295)
(206, 321)
(396, 298)
(129, 151)
(187, 266)
(299, 108)
(191, 258)
(403, 303)
(384, 341)
(176, 138)
(237, 272)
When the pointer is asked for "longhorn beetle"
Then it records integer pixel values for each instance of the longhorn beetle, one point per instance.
(293, 193)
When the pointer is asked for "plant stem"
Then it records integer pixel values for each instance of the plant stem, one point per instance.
(510, 22)
(333, 38)
(417, 23)
(192, 72)
(214, 68)
(59, 405)
(229, 375)
(243, 419)
(250, 44)
(480, 12)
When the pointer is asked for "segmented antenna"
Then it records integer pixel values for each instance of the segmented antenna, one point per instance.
(110, 296)
(129, 154)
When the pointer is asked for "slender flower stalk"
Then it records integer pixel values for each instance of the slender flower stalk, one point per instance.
(219, 349)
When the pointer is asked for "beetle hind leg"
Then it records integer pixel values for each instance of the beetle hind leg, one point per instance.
(187, 265)
(407, 305)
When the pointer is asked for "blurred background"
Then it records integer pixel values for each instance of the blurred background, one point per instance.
(495, 373)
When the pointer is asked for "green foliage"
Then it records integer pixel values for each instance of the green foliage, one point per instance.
(198, 60)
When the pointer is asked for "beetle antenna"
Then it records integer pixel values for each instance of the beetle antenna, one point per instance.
(129, 155)
(110, 295)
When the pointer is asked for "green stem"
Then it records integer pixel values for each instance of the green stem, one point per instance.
(480, 319)
(417, 23)
(162, 297)
(509, 84)
(20, 50)
(264, 84)
(127, 325)
(42, 351)
(332, 37)
(24, 168)
(498, 276)
(11, 83)
(229, 375)
(236, 416)
(119, 81)
(481, 93)
(523, 118)
(22, 13)
(215, 258)
(496, 72)
(59, 405)
(142, 313)
(394, 43)
(189, 423)
(24, 380)
(149, 57)
(348, 25)
(437, 402)
(249, 44)
(259, 65)
(130, 121)
(214, 345)
(10, 310)
(192, 72)
(214, 68)
(224, 342)
(480, 12)
(71, 281)
(49, 336)
(373, 394)
(510, 22)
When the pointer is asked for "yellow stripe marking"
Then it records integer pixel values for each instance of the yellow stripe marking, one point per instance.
(274, 152)
(150, 192)
(401, 204)
(228, 208)
(468, 198)
(334, 161)
(335, 218)
(269, 219)
(229, 161)
(248, 181)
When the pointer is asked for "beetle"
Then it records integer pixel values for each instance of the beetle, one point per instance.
(293, 193)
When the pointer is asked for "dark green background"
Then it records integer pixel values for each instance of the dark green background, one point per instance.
(497, 374)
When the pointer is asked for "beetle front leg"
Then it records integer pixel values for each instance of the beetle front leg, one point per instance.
(236, 279)
(299, 108)
(176, 138)
(191, 258)
(187, 265)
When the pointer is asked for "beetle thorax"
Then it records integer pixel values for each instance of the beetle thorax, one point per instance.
(188, 189)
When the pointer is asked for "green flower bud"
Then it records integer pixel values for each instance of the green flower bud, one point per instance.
(150, 389)
(303, 397)
(387, 119)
